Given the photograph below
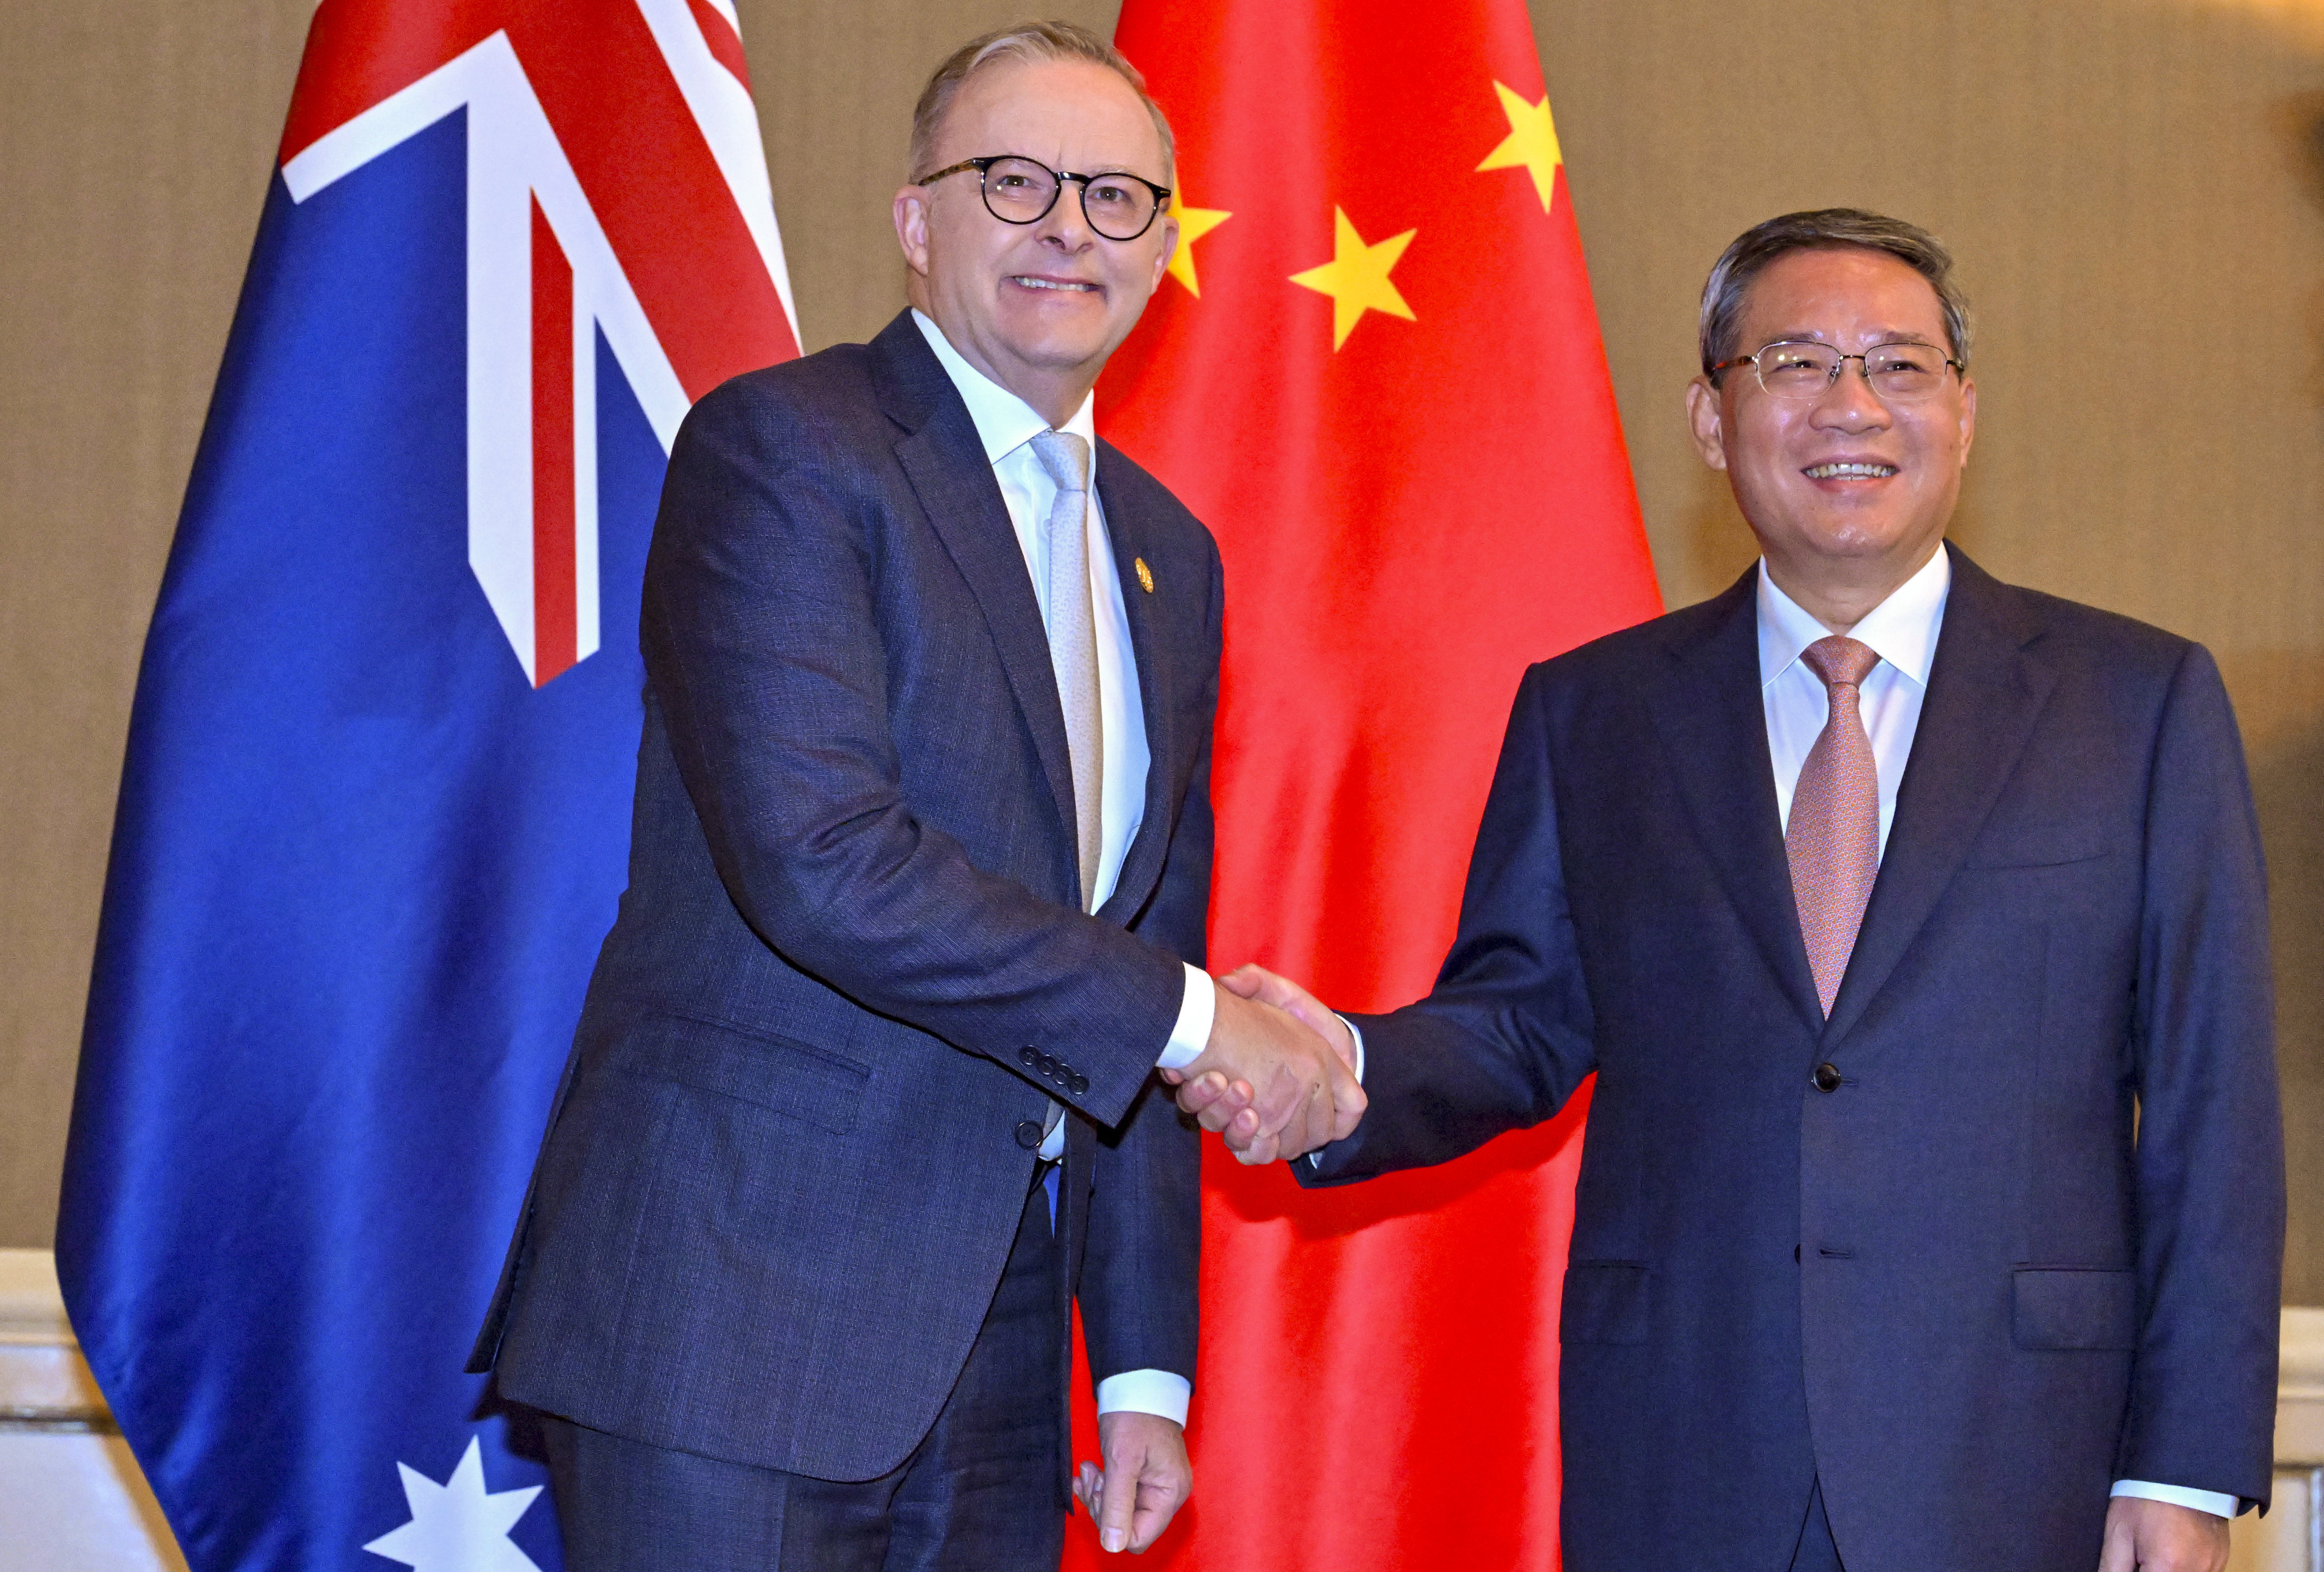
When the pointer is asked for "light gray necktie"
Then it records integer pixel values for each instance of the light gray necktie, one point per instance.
(1072, 638)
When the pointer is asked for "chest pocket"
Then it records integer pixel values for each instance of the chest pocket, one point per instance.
(2039, 845)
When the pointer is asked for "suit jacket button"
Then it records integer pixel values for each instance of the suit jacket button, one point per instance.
(1029, 1058)
(1080, 1084)
(1029, 1134)
(1827, 1078)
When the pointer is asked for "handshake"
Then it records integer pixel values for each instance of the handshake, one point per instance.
(1277, 1078)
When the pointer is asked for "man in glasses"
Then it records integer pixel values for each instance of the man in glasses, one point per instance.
(1931, 1214)
(866, 1087)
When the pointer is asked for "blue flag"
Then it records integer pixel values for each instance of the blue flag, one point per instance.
(374, 814)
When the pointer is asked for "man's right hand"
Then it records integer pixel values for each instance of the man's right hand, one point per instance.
(1274, 1086)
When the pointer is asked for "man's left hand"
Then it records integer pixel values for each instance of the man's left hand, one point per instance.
(1145, 1479)
(2158, 1536)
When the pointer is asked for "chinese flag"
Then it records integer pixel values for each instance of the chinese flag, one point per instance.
(1375, 372)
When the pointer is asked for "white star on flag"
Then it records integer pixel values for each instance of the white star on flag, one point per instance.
(459, 1526)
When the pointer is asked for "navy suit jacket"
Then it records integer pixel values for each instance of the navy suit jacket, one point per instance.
(790, 1156)
(2028, 1245)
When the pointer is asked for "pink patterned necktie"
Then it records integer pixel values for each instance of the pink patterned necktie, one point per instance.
(1833, 840)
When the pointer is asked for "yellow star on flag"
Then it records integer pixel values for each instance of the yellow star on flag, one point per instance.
(1356, 278)
(1532, 142)
(1194, 223)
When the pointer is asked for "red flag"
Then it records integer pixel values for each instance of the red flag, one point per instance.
(1375, 373)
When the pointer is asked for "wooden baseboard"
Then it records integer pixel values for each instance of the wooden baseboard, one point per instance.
(2299, 1392)
(43, 1382)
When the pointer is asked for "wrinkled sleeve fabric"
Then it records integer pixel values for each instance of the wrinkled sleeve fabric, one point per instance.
(762, 644)
(1504, 1037)
(2208, 1170)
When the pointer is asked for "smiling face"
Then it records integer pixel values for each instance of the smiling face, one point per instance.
(1848, 494)
(1036, 307)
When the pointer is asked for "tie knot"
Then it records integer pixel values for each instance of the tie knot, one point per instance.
(1839, 660)
(1066, 458)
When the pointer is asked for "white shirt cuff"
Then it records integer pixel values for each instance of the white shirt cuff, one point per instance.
(1315, 1158)
(1154, 1391)
(1195, 1012)
(2210, 1501)
(1192, 1035)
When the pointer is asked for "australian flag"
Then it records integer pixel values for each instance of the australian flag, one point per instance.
(374, 815)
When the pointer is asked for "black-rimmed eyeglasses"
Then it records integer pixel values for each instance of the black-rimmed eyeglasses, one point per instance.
(1022, 190)
(1803, 369)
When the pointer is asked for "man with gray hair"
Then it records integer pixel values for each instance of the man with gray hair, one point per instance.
(1931, 1217)
(864, 1095)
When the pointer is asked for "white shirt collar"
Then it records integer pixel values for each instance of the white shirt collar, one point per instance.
(1902, 629)
(1004, 422)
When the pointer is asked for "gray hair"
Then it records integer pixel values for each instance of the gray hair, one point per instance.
(1025, 41)
(1824, 229)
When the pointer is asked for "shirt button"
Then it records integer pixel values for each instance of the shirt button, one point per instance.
(1827, 1078)
(1029, 1134)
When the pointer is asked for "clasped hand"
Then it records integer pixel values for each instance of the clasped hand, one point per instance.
(1276, 1078)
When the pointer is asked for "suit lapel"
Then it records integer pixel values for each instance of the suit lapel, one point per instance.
(1141, 864)
(1985, 694)
(944, 461)
(1714, 728)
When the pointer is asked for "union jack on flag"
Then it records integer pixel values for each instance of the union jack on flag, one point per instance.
(616, 183)
(374, 814)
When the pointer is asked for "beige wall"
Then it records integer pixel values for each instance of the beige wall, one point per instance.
(2135, 187)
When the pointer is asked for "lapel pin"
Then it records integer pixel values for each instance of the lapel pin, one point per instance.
(1145, 574)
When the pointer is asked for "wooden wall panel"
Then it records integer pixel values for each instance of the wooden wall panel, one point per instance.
(2135, 189)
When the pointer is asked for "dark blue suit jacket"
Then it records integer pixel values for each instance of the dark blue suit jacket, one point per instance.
(787, 1162)
(2031, 1242)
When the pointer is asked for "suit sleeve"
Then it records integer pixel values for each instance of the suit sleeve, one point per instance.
(2210, 1157)
(763, 646)
(1140, 1277)
(1504, 1037)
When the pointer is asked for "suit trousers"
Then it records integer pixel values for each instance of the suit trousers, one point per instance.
(981, 1492)
(1817, 1552)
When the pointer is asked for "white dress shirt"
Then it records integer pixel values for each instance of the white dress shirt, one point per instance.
(1006, 424)
(1903, 631)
